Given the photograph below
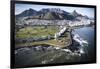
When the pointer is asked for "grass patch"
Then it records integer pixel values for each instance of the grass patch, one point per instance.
(61, 42)
(36, 31)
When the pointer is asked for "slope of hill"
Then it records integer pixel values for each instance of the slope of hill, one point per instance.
(29, 12)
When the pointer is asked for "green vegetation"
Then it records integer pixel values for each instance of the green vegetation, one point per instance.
(41, 31)
(61, 42)
(36, 31)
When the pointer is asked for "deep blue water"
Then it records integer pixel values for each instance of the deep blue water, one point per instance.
(88, 34)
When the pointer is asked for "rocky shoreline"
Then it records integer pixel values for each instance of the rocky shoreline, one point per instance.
(47, 54)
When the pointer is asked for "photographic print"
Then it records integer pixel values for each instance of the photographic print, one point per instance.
(53, 34)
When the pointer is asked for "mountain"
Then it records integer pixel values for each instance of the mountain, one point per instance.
(56, 10)
(75, 14)
(29, 12)
(50, 13)
(53, 13)
(78, 16)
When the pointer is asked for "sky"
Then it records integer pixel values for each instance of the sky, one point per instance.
(84, 11)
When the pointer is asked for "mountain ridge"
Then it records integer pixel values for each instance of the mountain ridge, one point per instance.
(49, 13)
